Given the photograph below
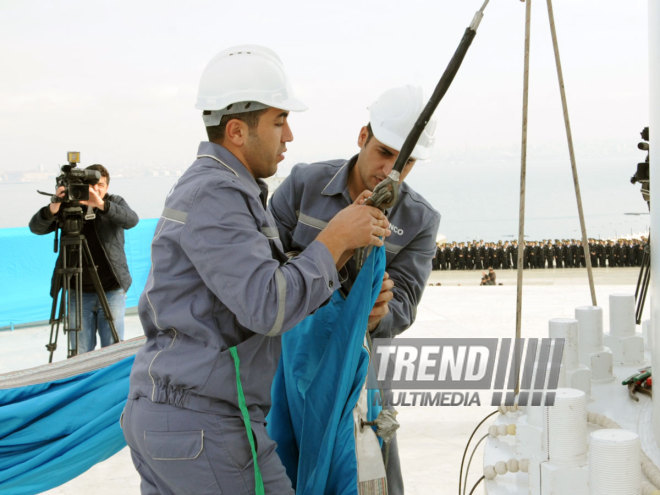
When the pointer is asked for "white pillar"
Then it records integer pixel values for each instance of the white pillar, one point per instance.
(627, 346)
(654, 145)
(614, 462)
(567, 427)
(590, 331)
(573, 374)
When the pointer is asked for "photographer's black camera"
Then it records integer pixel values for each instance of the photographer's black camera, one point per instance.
(642, 172)
(76, 182)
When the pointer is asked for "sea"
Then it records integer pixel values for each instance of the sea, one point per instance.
(477, 200)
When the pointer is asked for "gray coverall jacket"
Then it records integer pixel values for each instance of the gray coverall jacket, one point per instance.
(219, 279)
(313, 193)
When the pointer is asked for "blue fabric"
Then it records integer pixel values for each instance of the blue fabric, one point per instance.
(27, 266)
(321, 373)
(52, 432)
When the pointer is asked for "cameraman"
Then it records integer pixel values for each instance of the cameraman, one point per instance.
(105, 238)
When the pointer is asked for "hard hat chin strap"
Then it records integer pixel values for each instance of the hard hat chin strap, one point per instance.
(212, 117)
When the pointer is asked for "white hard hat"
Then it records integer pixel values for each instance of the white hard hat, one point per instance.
(394, 114)
(243, 74)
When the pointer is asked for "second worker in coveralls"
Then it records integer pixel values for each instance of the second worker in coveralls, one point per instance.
(313, 193)
(221, 292)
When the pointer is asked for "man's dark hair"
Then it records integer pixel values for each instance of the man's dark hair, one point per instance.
(217, 133)
(100, 168)
(370, 133)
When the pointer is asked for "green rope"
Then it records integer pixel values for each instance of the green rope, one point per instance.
(258, 481)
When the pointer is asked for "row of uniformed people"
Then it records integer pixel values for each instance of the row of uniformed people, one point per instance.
(567, 253)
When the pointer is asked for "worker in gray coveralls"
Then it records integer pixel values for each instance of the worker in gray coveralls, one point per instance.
(221, 292)
(313, 193)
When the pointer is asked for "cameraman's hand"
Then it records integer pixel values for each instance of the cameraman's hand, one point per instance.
(95, 200)
(55, 207)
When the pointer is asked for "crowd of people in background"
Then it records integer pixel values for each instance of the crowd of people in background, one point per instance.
(567, 253)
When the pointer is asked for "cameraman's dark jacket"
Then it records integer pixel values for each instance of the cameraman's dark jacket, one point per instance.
(109, 225)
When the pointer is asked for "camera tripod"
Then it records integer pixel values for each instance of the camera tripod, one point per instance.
(643, 282)
(74, 255)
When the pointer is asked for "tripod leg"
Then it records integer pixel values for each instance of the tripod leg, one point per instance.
(642, 298)
(99, 290)
(61, 313)
(55, 324)
(643, 285)
(645, 260)
(77, 301)
(72, 293)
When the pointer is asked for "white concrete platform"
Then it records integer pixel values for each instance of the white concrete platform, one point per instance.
(431, 439)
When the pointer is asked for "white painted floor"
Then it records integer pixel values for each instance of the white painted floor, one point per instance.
(431, 439)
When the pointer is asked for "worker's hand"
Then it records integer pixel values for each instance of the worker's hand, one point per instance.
(362, 198)
(347, 255)
(381, 222)
(360, 226)
(381, 306)
(353, 227)
(55, 207)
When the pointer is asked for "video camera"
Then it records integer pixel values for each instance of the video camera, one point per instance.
(642, 173)
(76, 188)
(76, 182)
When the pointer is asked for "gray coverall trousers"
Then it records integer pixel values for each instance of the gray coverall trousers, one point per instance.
(179, 452)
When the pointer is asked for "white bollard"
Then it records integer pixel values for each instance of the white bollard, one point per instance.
(567, 427)
(592, 353)
(590, 331)
(614, 463)
(622, 315)
(572, 373)
(627, 347)
(567, 329)
(566, 433)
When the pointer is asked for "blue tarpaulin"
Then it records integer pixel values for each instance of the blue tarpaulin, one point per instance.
(52, 431)
(58, 420)
(321, 373)
(27, 266)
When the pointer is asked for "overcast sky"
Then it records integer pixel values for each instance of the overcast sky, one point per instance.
(117, 80)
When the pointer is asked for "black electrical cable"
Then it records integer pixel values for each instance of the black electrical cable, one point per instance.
(384, 199)
(467, 445)
(474, 487)
(440, 90)
(386, 193)
(467, 469)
